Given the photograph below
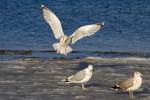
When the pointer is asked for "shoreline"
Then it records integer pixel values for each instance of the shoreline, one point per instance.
(40, 78)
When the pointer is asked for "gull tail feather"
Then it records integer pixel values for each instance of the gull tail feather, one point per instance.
(66, 80)
(62, 49)
(116, 87)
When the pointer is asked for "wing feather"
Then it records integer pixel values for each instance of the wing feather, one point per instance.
(125, 84)
(85, 31)
(53, 22)
(78, 76)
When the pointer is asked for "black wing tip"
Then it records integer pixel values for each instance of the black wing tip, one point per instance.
(115, 87)
(65, 80)
(43, 7)
(101, 24)
(98, 23)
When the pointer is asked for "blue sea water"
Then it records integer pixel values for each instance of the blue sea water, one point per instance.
(126, 29)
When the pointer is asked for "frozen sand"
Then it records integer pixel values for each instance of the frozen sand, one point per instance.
(34, 79)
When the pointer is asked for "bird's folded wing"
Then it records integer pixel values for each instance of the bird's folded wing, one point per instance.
(85, 31)
(78, 76)
(125, 84)
(53, 21)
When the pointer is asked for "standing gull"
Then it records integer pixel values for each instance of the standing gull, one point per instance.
(130, 84)
(63, 46)
(81, 77)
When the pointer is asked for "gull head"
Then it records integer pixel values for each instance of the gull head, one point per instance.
(138, 74)
(90, 68)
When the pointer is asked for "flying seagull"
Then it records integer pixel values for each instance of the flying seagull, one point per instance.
(131, 84)
(64, 41)
(81, 77)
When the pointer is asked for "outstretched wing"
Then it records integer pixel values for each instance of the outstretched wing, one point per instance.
(53, 21)
(85, 31)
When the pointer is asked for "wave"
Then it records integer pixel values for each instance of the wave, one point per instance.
(125, 59)
(29, 52)
(15, 54)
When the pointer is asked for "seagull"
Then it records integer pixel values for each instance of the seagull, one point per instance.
(81, 77)
(64, 41)
(131, 84)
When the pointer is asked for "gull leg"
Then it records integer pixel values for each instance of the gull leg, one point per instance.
(57, 51)
(130, 94)
(82, 86)
(65, 51)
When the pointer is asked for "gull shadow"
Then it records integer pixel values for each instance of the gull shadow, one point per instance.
(94, 85)
(81, 66)
(110, 65)
(137, 94)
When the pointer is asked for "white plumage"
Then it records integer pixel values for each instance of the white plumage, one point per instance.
(81, 77)
(63, 46)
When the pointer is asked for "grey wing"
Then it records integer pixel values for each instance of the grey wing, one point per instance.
(85, 31)
(53, 22)
(78, 76)
(125, 84)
